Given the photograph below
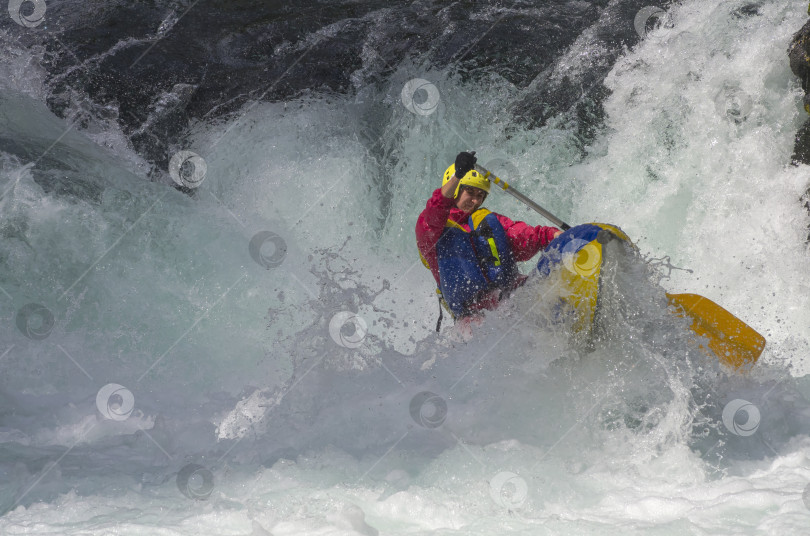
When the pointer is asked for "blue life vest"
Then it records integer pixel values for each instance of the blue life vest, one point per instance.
(474, 262)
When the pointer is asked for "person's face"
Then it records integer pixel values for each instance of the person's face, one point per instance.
(470, 198)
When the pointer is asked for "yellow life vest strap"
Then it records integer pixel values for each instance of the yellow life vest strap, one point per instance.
(494, 250)
(424, 260)
(478, 216)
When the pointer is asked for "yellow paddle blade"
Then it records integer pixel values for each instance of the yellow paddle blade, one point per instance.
(735, 342)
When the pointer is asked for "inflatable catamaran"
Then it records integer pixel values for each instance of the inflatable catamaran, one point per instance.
(577, 259)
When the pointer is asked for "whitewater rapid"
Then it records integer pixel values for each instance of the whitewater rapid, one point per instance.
(258, 356)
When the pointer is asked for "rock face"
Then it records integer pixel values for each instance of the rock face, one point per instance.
(154, 67)
(799, 57)
(800, 65)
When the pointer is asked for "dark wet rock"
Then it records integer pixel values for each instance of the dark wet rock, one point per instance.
(155, 66)
(748, 10)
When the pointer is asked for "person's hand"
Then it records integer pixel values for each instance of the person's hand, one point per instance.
(465, 162)
(558, 233)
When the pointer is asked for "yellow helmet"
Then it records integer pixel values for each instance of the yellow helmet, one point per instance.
(472, 178)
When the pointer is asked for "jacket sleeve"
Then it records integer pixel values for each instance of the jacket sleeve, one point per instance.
(525, 240)
(430, 225)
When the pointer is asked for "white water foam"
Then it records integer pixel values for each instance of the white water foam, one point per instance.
(303, 435)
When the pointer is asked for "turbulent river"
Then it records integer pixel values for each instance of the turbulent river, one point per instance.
(214, 318)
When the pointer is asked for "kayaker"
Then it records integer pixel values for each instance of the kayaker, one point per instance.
(472, 252)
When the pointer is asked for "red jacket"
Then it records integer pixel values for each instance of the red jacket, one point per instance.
(524, 240)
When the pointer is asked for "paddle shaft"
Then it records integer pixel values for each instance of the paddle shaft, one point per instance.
(522, 198)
